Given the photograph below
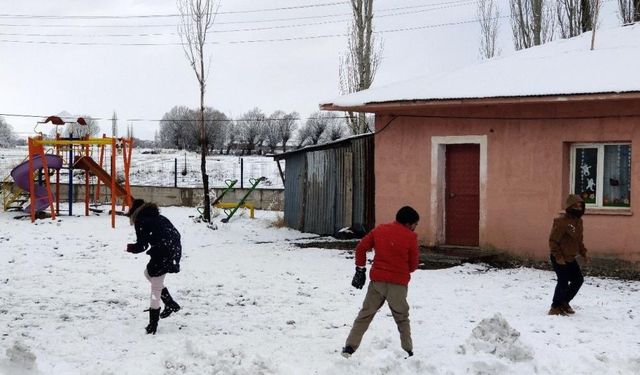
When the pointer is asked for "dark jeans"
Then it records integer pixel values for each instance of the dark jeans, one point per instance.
(570, 280)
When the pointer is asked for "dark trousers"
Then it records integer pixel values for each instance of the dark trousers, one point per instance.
(570, 280)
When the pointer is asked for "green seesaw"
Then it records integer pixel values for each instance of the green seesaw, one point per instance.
(230, 184)
(231, 211)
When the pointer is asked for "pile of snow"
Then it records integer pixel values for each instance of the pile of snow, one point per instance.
(20, 360)
(495, 336)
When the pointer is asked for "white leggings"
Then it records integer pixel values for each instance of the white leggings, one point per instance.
(157, 284)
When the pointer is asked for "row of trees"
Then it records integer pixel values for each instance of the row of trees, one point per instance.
(535, 22)
(254, 131)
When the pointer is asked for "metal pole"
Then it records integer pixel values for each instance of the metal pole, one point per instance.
(241, 173)
(71, 176)
(175, 172)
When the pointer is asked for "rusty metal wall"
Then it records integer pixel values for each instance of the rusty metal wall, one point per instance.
(320, 192)
(363, 185)
(330, 189)
(294, 185)
(343, 198)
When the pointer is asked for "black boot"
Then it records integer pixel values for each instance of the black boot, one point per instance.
(154, 316)
(170, 306)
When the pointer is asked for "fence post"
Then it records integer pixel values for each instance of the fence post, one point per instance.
(175, 172)
(241, 173)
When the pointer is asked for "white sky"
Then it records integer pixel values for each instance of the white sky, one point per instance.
(144, 82)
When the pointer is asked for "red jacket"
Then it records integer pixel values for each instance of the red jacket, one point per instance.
(396, 253)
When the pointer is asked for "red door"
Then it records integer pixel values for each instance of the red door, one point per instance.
(462, 216)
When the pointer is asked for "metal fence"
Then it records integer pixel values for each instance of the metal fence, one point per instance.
(172, 168)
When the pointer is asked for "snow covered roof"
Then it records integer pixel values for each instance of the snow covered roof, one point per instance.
(562, 67)
(322, 146)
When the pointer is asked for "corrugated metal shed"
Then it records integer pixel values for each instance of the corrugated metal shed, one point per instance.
(330, 186)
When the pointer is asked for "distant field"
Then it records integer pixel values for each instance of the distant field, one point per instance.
(159, 169)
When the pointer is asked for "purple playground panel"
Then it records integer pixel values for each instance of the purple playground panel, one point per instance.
(21, 176)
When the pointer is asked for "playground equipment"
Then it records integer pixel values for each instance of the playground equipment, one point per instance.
(22, 175)
(68, 153)
(231, 208)
(231, 205)
(230, 184)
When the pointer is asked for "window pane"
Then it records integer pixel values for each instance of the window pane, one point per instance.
(617, 176)
(586, 173)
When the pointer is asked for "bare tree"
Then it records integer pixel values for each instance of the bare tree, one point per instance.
(335, 130)
(488, 15)
(250, 128)
(575, 16)
(280, 127)
(77, 130)
(629, 11)
(7, 138)
(216, 124)
(271, 130)
(319, 127)
(196, 19)
(532, 22)
(286, 126)
(358, 65)
(231, 136)
(175, 126)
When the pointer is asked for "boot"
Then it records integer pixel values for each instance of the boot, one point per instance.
(154, 316)
(567, 308)
(557, 311)
(347, 351)
(170, 306)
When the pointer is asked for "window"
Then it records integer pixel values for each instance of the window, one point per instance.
(601, 173)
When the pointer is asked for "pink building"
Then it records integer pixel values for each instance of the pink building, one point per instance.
(487, 153)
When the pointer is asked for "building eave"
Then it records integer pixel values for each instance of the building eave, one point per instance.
(420, 104)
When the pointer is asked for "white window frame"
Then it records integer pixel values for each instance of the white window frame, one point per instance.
(600, 172)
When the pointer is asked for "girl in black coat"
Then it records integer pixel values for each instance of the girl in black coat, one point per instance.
(159, 238)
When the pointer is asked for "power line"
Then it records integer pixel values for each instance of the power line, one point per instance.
(221, 31)
(377, 14)
(94, 17)
(174, 120)
(273, 40)
(173, 34)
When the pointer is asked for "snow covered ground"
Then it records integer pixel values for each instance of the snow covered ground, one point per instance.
(71, 302)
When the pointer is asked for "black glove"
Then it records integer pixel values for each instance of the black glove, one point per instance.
(359, 278)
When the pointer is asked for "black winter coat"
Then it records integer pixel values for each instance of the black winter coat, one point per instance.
(159, 238)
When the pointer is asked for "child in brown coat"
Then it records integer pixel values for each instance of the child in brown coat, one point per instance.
(565, 243)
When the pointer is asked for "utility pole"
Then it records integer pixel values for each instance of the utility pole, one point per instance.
(114, 125)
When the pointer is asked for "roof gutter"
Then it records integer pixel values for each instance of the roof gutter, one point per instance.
(408, 105)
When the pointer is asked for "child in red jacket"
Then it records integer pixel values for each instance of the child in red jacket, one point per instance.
(396, 256)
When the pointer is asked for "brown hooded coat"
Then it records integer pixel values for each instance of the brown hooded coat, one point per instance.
(565, 240)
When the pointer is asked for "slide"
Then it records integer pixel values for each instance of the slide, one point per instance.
(22, 177)
(88, 164)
